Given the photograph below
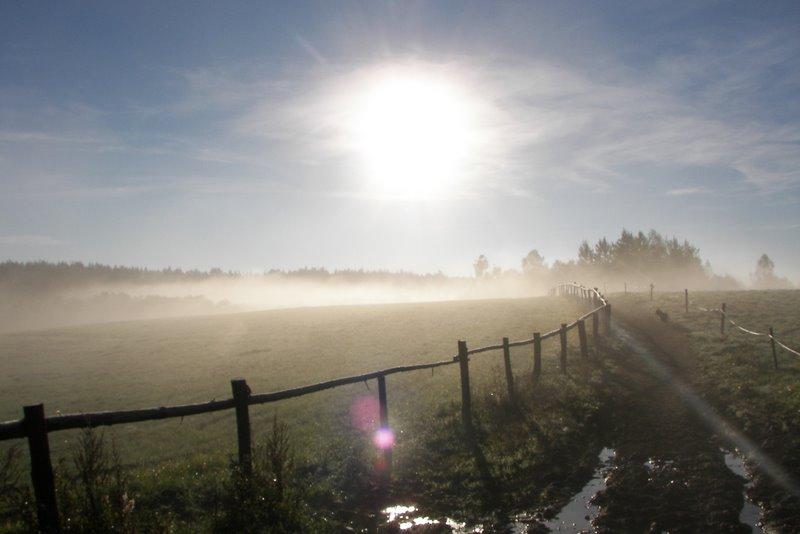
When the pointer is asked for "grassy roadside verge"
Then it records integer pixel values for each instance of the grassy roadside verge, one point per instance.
(734, 373)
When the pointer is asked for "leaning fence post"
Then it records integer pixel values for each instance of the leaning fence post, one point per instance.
(582, 338)
(595, 325)
(722, 320)
(509, 372)
(241, 399)
(466, 398)
(537, 355)
(44, 488)
(774, 353)
(686, 300)
(562, 333)
(384, 419)
(608, 319)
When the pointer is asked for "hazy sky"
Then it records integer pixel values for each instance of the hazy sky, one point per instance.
(234, 134)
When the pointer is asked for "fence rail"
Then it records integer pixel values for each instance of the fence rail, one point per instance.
(35, 426)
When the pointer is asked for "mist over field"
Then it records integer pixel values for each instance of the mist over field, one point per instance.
(42, 295)
(103, 301)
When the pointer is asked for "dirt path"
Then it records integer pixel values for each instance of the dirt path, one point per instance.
(662, 463)
(668, 472)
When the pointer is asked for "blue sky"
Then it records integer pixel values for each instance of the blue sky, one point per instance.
(214, 134)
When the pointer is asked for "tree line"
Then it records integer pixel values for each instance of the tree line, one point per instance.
(635, 260)
(40, 277)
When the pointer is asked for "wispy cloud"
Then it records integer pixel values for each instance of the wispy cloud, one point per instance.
(549, 123)
(310, 49)
(542, 124)
(688, 191)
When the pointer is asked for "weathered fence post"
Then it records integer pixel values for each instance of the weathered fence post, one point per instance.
(608, 319)
(651, 292)
(774, 353)
(537, 355)
(509, 372)
(562, 333)
(466, 398)
(44, 488)
(582, 338)
(722, 320)
(384, 420)
(686, 300)
(595, 325)
(241, 399)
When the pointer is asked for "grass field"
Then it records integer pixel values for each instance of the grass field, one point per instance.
(173, 361)
(735, 371)
(151, 363)
(527, 458)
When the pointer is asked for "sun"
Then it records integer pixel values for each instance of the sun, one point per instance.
(413, 133)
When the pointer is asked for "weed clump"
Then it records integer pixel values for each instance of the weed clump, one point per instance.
(94, 495)
(267, 500)
(17, 512)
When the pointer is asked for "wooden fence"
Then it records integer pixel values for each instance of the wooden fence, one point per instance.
(35, 426)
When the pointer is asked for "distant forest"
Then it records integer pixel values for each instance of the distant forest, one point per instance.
(636, 259)
(45, 277)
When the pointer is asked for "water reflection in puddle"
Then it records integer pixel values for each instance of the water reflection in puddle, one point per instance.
(750, 514)
(406, 518)
(577, 515)
(579, 512)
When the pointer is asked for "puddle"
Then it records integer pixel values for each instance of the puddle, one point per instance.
(406, 518)
(578, 513)
(652, 463)
(750, 513)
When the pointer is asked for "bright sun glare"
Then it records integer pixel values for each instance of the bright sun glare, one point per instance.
(413, 133)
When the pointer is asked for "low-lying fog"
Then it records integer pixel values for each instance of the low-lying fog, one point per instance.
(42, 295)
(117, 302)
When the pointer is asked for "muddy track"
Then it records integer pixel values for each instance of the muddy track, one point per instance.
(669, 472)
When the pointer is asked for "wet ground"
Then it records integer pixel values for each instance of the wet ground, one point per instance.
(667, 465)
(582, 510)
(669, 472)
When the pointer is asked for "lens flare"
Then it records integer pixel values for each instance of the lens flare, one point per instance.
(383, 438)
(364, 413)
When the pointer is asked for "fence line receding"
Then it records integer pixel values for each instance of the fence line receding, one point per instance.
(35, 426)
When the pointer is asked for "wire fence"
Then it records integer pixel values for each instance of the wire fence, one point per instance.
(723, 313)
(770, 334)
(35, 426)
